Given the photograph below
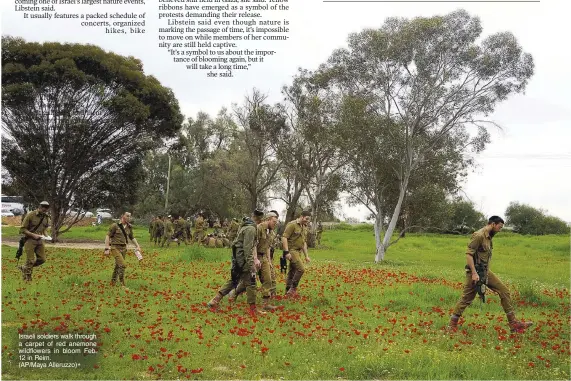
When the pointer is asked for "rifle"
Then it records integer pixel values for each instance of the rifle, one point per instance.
(20, 250)
(482, 270)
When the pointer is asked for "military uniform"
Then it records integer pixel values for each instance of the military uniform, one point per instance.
(264, 237)
(118, 243)
(179, 226)
(159, 231)
(319, 232)
(242, 259)
(188, 235)
(199, 229)
(168, 232)
(36, 222)
(273, 240)
(480, 248)
(152, 230)
(296, 235)
(219, 242)
(233, 230)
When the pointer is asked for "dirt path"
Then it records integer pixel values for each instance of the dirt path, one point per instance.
(71, 245)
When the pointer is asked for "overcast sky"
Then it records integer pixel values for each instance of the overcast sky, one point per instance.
(529, 161)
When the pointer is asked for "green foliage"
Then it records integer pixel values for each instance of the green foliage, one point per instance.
(76, 122)
(526, 219)
(373, 321)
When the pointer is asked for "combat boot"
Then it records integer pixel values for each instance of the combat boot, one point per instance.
(453, 324)
(215, 301)
(232, 296)
(517, 325)
(253, 311)
(292, 293)
(267, 306)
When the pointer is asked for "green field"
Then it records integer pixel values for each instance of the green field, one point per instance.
(355, 319)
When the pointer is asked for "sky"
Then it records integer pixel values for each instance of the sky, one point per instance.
(528, 160)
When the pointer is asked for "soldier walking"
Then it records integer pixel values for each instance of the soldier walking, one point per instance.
(479, 275)
(244, 264)
(116, 242)
(168, 231)
(199, 228)
(294, 243)
(159, 230)
(319, 232)
(34, 226)
(264, 236)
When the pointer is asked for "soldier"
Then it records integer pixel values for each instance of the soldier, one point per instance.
(179, 227)
(152, 229)
(188, 234)
(233, 229)
(273, 243)
(34, 227)
(199, 228)
(264, 236)
(211, 241)
(478, 258)
(294, 243)
(244, 264)
(159, 230)
(219, 242)
(217, 224)
(225, 223)
(116, 242)
(168, 231)
(319, 232)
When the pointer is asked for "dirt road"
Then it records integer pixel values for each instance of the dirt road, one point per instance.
(71, 245)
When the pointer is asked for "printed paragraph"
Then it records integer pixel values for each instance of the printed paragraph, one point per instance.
(108, 16)
(224, 36)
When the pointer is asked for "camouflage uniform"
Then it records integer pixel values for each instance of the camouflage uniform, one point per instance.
(159, 231)
(243, 259)
(199, 229)
(168, 232)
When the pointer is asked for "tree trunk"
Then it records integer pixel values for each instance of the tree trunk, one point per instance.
(312, 239)
(380, 253)
(292, 206)
(393, 222)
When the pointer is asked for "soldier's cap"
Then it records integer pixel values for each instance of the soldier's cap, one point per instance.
(44, 203)
(258, 212)
(306, 213)
(169, 216)
(271, 214)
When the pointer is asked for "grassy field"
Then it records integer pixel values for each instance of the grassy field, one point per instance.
(355, 319)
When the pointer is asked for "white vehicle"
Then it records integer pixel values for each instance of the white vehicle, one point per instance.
(104, 213)
(74, 213)
(12, 205)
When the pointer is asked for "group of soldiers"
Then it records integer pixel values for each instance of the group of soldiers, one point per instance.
(252, 257)
(166, 229)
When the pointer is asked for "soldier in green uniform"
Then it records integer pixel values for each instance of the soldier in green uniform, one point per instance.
(152, 229)
(264, 237)
(199, 228)
(273, 243)
(294, 243)
(319, 232)
(168, 231)
(244, 264)
(158, 231)
(116, 242)
(188, 234)
(179, 227)
(210, 241)
(478, 258)
(219, 242)
(34, 226)
(233, 229)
